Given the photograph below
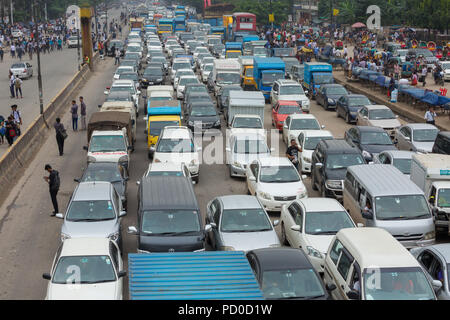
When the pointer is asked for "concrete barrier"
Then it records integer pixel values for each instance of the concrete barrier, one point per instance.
(14, 162)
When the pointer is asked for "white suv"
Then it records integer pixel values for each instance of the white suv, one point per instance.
(176, 145)
(289, 90)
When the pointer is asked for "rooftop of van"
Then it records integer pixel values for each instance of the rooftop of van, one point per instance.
(384, 180)
(168, 193)
(375, 248)
(338, 146)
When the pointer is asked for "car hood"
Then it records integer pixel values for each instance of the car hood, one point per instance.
(152, 77)
(107, 156)
(292, 97)
(247, 158)
(385, 123)
(176, 157)
(208, 119)
(282, 189)
(295, 133)
(336, 174)
(423, 146)
(375, 148)
(94, 291)
(281, 117)
(334, 96)
(319, 242)
(100, 229)
(246, 241)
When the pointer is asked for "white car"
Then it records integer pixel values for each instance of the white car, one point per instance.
(121, 70)
(206, 69)
(126, 85)
(275, 182)
(179, 74)
(243, 149)
(446, 68)
(179, 63)
(378, 116)
(289, 90)
(200, 50)
(86, 269)
(308, 140)
(73, 42)
(23, 70)
(247, 123)
(176, 145)
(298, 122)
(310, 224)
(184, 80)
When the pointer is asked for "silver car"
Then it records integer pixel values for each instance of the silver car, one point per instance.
(239, 222)
(418, 137)
(398, 158)
(23, 70)
(95, 210)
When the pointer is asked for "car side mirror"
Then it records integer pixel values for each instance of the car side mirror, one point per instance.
(285, 126)
(85, 148)
(296, 227)
(367, 215)
(437, 285)
(322, 126)
(130, 148)
(59, 216)
(396, 115)
(407, 138)
(319, 165)
(360, 225)
(252, 178)
(99, 106)
(275, 223)
(353, 295)
(121, 274)
(213, 225)
(330, 287)
(122, 214)
(208, 228)
(106, 92)
(228, 149)
(133, 230)
(77, 180)
(47, 276)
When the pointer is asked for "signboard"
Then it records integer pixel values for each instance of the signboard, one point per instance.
(271, 17)
(290, 18)
(445, 172)
(335, 12)
(246, 25)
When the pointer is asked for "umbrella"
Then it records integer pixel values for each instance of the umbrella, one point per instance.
(358, 25)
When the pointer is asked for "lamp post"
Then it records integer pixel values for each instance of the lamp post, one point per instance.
(78, 35)
(36, 38)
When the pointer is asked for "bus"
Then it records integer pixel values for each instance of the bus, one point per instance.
(244, 23)
(165, 26)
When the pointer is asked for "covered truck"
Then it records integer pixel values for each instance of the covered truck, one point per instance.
(226, 72)
(233, 49)
(245, 102)
(122, 106)
(265, 72)
(316, 74)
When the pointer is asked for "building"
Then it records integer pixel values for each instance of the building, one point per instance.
(73, 17)
(306, 11)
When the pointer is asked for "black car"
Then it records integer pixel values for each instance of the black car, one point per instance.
(328, 95)
(286, 273)
(196, 97)
(161, 60)
(109, 172)
(202, 116)
(329, 163)
(113, 45)
(152, 76)
(442, 143)
(134, 57)
(369, 140)
(348, 106)
(193, 88)
(184, 37)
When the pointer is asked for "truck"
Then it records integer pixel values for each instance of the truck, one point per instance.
(219, 30)
(248, 82)
(165, 26)
(122, 106)
(265, 72)
(431, 173)
(180, 24)
(233, 49)
(137, 23)
(225, 72)
(247, 45)
(316, 74)
(245, 102)
(283, 52)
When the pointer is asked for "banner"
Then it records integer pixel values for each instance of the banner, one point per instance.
(335, 12)
(209, 3)
(271, 17)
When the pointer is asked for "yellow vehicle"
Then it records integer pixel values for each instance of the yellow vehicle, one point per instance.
(137, 23)
(248, 82)
(159, 115)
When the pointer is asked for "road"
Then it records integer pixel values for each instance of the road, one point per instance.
(29, 237)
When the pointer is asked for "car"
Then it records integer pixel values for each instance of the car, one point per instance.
(135, 48)
(130, 63)
(202, 116)
(119, 96)
(239, 222)
(294, 278)
(296, 124)
(297, 73)
(378, 116)
(176, 145)
(167, 169)
(109, 172)
(281, 110)
(247, 123)
(94, 210)
(435, 260)
(194, 88)
(310, 224)
(156, 59)
(328, 94)
(179, 74)
(195, 97)
(400, 159)
(289, 90)
(22, 70)
(131, 76)
(152, 76)
(199, 50)
(126, 85)
(206, 60)
(369, 140)
(182, 83)
(121, 70)
(442, 143)
(206, 69)
(274, 181)
(418, 137)
(329, 162)
(348, 106)
(179, 63)
(243, 149)
(87, 269)
(223, 94)
(307, 140)
(73, 42)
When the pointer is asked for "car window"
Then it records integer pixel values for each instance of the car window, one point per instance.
(426, 259)
(382, 157)
(344, 264)
(293, 209)
(336, 251)
(114, 255)
(116, 199)
(215, 211)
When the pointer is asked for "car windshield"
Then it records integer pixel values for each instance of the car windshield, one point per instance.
(425, 53)
(286, 90)
(276, 174)
(156, 126)
(165, 173)
(405, 207)
(203, 111)
(336, 91)
(340, 161)
(117, 96)
(198, 88)
(241, 122)
(128, 63)
(289, 109)
(291, 283)
(425, 135)
(228, 78)
(245, 220)
(358, 101)
(404, 165)
(444, 198)
(268, 78)
(175, 146)
(153, 72)
(201, 49)
(134, 49)
(122, 89)
(18, 66)
(181, 65)
(184, 73)
(323, 78)
(99, 174)
(158, 60)
(97, 210)
(214, 41)
(208, 67)
(311, 142)
(122, 70)
(170, 222)
(397, 284)
(132, 56)
(327, 222)
(248, 146)
(89, 269)
(381, 114)
(185, 81)
(375, 138)
(234, 54)
(107, 144)
(259, 51)
(226, 90)
(304, 124)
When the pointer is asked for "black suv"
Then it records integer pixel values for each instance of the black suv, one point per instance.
(329, 165)
(442, 143)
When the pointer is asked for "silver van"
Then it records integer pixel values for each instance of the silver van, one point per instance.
(381, 196)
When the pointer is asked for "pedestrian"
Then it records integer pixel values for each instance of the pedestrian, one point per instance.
(117, 55)
(430, 115)
(1, 54)
(13, 50)
(53, 183)
(11, 132)
(414, 79)
(424, 75)
(61, 135)
(292, 153)
(391, 85)
(74, 112)
(82, 114)
(2, 130)
(12, 80)
(18, 86)
(17, 118)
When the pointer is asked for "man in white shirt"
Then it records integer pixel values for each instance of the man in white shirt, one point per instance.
(12, 81)
(430, 115)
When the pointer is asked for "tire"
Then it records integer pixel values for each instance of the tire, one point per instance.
(347, 118)
(196, 179)
(283, 235)
(313, 181)
(248, 192)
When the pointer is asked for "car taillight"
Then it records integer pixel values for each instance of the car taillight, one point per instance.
(25, 70)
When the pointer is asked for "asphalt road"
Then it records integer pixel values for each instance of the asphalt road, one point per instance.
(29, 237)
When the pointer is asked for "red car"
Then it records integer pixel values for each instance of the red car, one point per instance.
(282, 110)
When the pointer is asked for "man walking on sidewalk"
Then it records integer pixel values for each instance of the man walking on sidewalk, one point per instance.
(74, 112)
(53, 183)
(82, 114)
(60, 135)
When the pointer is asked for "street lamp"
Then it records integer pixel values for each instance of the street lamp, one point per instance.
(36, 37)
(78, 35)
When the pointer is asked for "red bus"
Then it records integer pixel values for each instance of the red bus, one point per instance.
(244, 22)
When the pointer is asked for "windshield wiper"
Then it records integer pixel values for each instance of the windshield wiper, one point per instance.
(172, 233)
(258, 230)
(324, 232)
(90, 219)
(92, 282)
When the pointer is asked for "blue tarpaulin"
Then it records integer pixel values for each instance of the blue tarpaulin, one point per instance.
(430, 98)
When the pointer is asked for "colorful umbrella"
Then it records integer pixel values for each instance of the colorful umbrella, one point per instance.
(358, 25)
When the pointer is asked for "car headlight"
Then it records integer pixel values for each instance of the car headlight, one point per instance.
(306, 159)
(64, 236)
(156, 160)
(91, 159)
(333, 184)
(144, 80)
(190, 123)
(264, 195)
(237, 164)
(217, 123)
(330, 100)
(114, 236)
(193, 163)
(227, 248)
(429, 235)
(366, 154)
(314, 253)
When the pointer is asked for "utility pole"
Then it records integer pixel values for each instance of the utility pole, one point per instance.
(12, 12)
(45, 8)
(271, 11)
(331, 14)
(78, 35)
(106, 12)
(37, 39)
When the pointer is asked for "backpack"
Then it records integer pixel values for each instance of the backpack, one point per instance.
(17, 83)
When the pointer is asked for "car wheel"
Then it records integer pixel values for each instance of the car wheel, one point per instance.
(231, 171)
(283, 235)
(248, 192)
(196, 179)
(347, 118)
(313, 181)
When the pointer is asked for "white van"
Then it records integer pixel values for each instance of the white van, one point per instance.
(370, 264)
